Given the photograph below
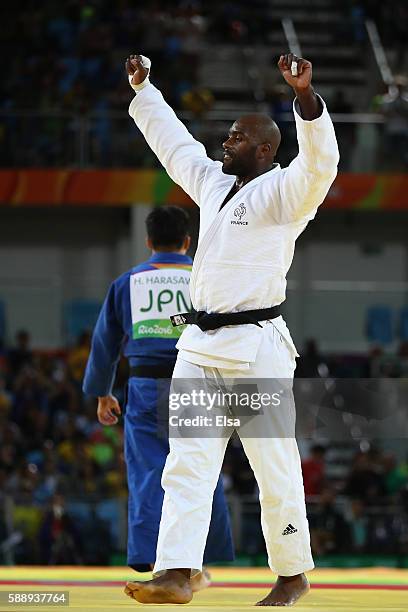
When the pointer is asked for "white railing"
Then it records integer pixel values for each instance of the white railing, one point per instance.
(291, 36)
(379, 52)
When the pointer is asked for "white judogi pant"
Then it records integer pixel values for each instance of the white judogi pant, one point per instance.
(194, 463)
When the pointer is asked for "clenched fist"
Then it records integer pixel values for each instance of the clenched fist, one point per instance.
(304, 71)
(137, 67)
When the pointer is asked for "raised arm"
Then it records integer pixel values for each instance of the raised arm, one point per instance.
(305, 183)
(184, 159)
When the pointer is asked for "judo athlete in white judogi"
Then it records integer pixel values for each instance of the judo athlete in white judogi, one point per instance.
(252, 212)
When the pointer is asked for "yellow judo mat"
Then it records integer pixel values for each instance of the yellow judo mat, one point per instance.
(101, 588)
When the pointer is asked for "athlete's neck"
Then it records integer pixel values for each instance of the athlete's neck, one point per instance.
(168, 251)
(240, 181)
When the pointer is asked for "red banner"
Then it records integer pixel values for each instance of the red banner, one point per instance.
(127, 187)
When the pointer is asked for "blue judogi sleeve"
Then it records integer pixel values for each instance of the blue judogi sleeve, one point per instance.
(105, 350)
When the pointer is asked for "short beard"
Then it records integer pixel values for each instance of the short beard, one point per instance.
(241, 165)
(227, 170)
(233, 168)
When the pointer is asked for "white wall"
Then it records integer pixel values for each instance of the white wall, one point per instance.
(49, 257)
(340, 269)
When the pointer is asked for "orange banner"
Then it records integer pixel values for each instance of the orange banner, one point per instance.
(127, 187)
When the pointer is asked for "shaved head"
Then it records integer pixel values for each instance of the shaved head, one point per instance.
(251, 146)
(262, 128)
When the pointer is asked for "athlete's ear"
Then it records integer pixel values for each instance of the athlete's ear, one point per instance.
(149, 243)
(264, 150)
(187, 242)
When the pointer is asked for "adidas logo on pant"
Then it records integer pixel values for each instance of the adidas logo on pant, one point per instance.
(289, 529)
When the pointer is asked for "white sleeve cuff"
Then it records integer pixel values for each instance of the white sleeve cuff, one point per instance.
(298, 116)
(146, 62)
(141, 85)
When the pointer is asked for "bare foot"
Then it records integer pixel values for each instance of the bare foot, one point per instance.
(200, 581)
(171, 587)
(286, 591)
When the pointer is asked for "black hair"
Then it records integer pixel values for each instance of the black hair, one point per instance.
(167, 226)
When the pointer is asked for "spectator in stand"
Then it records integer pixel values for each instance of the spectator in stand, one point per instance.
(395, 475)
(3, 352)
(60, 544)
(21, 355)
(313, 469)
(365, 481)
(359, 526)
(78, 357)
(403, 350)
(30, 390)
(63, 400)
(9, 455)
(328, 529)
(50, 480)
(5, 396)
(23, 481)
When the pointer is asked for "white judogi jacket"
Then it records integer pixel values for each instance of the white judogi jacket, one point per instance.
(245, 250)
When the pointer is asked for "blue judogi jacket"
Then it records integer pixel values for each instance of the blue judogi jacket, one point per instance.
(121, 328)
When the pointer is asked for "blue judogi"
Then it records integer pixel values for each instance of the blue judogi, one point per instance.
(134, 320)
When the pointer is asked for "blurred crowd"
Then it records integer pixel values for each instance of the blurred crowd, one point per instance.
(67, 65)
(70, 56)
(68, 61)
(64, 473)
(357, 501)
(50, 438)
(52, 449)
(365, 521)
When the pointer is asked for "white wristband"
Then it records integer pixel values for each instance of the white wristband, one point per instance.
(146, 63)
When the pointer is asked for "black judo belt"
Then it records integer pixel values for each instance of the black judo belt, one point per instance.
(152, 371)
(214, 320)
